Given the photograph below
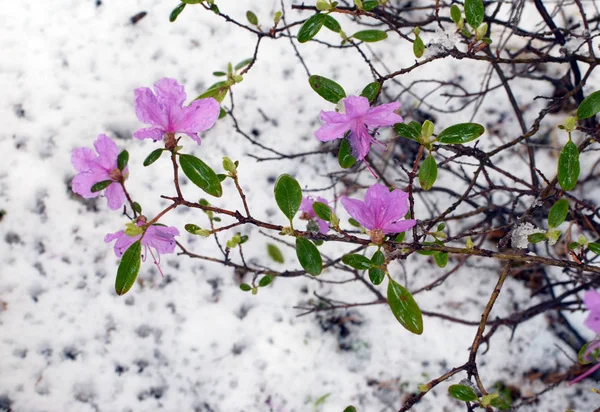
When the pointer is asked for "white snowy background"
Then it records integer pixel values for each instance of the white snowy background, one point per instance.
(192, 341)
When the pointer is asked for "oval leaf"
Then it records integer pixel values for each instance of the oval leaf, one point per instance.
(153, 157)
(358, 262)
(265, 281)
(441, 259)
(275, 253)
(327, 89)
(474, 12)
(323, 211)
(428, 172)
(129, 268)
(345, 157)
(568, 166)
(404, 307)
(201, 175)
(461, 133)
(590, 106)
(371, 91)
(376, 274)
(455, 13)
(288, 195)
(462, 393)
(251, 17)
(309, 256)
(594, 247)
(410, 131)
(558, 213)
(100, 186)
(332, 24)
(243, 63)
(176, 12)
(122, 160)
(370, 36)
(418, 47)
(369, 5)
(311, 27)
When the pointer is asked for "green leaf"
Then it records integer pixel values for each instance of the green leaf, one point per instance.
(327, 89)
(122, 160)
(441, 259)
(243, 63)
(590, 106)
(461, 133)
(323, 211)
(309, 256)
(558, 213)
(594, 247)
(176, 12)
(129, 268)
(428, 172)
(568, 166)
(500, 403)
(350, 409)
(353, 222)
(574, 245)
(404, 307)
(245, 287)
(137, 207)
(418, 47)
(288, 195)
(219, 74)
(357, 261)
(536, 238)
(586, 357)
(265, 281)
(311, 27)
(474, 12)
(275, 253)
(375, 273)
(410, 131)
(345, 157)
(101, 186)
(201, 174)
(371, 91)
(252, 19)
(369, 5)
(462, 393)
(370, 36)
(455, 13)
(400, 237)
(332, 24)
(218, 91)
(153, 157)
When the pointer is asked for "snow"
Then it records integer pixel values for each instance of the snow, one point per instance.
(520, 235)
(192, 341)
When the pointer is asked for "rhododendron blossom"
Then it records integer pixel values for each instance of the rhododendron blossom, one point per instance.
(382, 212)
(159, 238)
(306, 207)
(591, 299)
(94, 168)
(163, 109)
(357, 118)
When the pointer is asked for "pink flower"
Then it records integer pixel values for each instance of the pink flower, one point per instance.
(382, 211)
(159, 238)
(94, 168)
(306, 207)
(165, 112)
(591, 299)
(359, 115)
(590, 355)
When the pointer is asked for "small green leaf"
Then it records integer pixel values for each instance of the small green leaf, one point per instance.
(353, 222)
(309, 256)
(129, 268)
(323, 211)
(487, 399)
(574, 245)
(101, 186)
(568, 166)
(404, 307)
(311, 27)
(474, 12)
(265, 281)
(229, 165)
(400, 238)
(536, 238)
(252, 19)
(137, 207)
(370, 36)
(462, 393)
(590, 106)
(428, 172)
(275, 253)
(245, 287)
(410, 131)
(218, 91)
(345, 157)
(558, 213)
(455, 13)
(288, 195)
(371, 91)
(357, 261)
(219, 74)
(441, 259)
(369, 5)
(350, 409)
(375, 273)
(418, 47)
(201, 175)
(122, 160)
(501, 403)
(243, 63)
(153, 157)
(461, 133)
(176, 12)
(327, 89)
(594, 247)
(332, 24)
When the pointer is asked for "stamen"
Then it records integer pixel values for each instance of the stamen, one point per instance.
(157, 263)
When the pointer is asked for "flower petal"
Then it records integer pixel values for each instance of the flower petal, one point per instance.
(356, 106)
(383, 115)
(161, 238)
(335, 127)
(169, 92)
(386, 206)
(108, 151)
(154, 133)
(199, 116)
(123, 241)
(360, 141)
(306, 206)
(591, 299)
(83, 182)
(323, 226)
(149, 110)
(359, 211)
(83, 159)
(399, 226)
(115, 196)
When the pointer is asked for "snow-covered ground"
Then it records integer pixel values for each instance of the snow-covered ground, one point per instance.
(192, 341)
